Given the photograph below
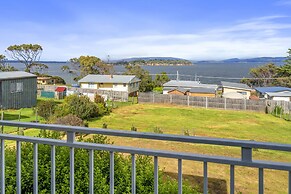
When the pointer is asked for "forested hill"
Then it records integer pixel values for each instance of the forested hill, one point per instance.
(151, 61)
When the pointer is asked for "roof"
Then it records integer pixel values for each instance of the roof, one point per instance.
(187, 84)
(60, 89)
(235, 85)
(279, 94)
(264, 90)
(44, 78)
(183, 90)
(109, 79)
(15, 75)
(203, 90)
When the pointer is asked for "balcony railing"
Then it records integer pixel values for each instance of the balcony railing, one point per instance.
(245, 160)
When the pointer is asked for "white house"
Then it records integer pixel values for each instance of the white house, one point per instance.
(122, 83)
(274, 93)
(235, 90)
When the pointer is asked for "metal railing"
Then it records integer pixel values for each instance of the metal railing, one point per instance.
(245, 160)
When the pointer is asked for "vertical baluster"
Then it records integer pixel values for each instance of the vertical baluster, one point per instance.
(53, 169)
(18, 167)
(72, 170)
(35, 168)
(133, 174)
(289, 183)
(91, 171)
(205, 183)
(180, 176)
(156, 175)
(231, 179)
(261, 180)
(2, 163)
(111, 173)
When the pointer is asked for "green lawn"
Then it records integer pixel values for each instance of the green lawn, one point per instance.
(199, 121)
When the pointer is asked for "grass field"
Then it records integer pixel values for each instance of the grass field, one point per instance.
(211, 123)
(199, 122)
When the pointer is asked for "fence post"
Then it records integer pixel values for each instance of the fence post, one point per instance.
(187, 100)
(206, 102)
(245, 104)
(153, 97)
(171, 98)
(224, 103)
(2, 117)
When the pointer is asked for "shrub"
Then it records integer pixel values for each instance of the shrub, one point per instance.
(80, 106)
(99, 99)
(158, 130)
(71, 120)
(104, 125)
(46, 108)
(133, 128)
(186, 132)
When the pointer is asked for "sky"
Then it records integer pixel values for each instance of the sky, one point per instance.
(190, 29)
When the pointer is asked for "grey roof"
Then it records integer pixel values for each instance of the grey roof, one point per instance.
(187, 84)
(109, 79)
(279, 94)
(15, 75)
(203, 90)
(235, 85)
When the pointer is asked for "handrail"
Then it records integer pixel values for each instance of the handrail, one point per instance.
(154, 136)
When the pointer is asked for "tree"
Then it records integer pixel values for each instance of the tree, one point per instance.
(146, 83)
(264, 75)
(4, 66)
(85, 65)
(80, 106)
(28, 54)
(46, 108)
(161, 79)
(284, 72)
(71, 120)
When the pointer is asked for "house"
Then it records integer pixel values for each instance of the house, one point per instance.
(60, 92)
(274, 93)
(178, 91)
(170, 86)
(235, 90)
(18, 89)
(122, 83)
(45, 80)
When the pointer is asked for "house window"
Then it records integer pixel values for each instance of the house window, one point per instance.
(16, 87)
(115, 84)
(91, 85)
(124, 85)
(243, 93)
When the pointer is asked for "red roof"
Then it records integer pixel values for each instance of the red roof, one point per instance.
(61, 89)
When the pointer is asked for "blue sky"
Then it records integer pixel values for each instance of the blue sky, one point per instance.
(191, 29)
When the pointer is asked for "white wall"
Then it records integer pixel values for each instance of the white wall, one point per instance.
(287, 99)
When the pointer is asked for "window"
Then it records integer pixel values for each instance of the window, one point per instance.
(124, 85)
(16, 87)
(91, 85)
(243, 93)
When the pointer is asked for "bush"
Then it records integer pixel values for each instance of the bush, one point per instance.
(158, 130)
(104, 126)
(99, 99)
(133, 128)
(71, 120)
(122, 170)
(80, 106)
(186, 132)
(46, 108)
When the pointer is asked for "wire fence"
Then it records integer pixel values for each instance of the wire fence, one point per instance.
(267, 106)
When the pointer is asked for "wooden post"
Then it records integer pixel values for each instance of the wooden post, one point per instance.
(245, 104)
(188, 101)
(224, 103)
(206, 102)
(171, 98)
(153, 97)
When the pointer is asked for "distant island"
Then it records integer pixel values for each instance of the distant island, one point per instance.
(249, 60)
(154, 61)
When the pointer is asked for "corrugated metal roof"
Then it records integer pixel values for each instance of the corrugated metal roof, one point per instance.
(279, 94)
(15, 75)
(109, 79)
(60, 89)
(202, 90)
(183, 90)
(264, 90)
(235, 85)
(187, 84)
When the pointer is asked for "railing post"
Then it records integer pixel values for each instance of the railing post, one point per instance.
(35, 168)
(156, 175)
(133, 174)
(2, 166)
(180, 177)
(261, 180)
(71, 139)
(53, 169)
(111, 172)
(205, 182)
(91, 171)
(246, 154)
(18, 167)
